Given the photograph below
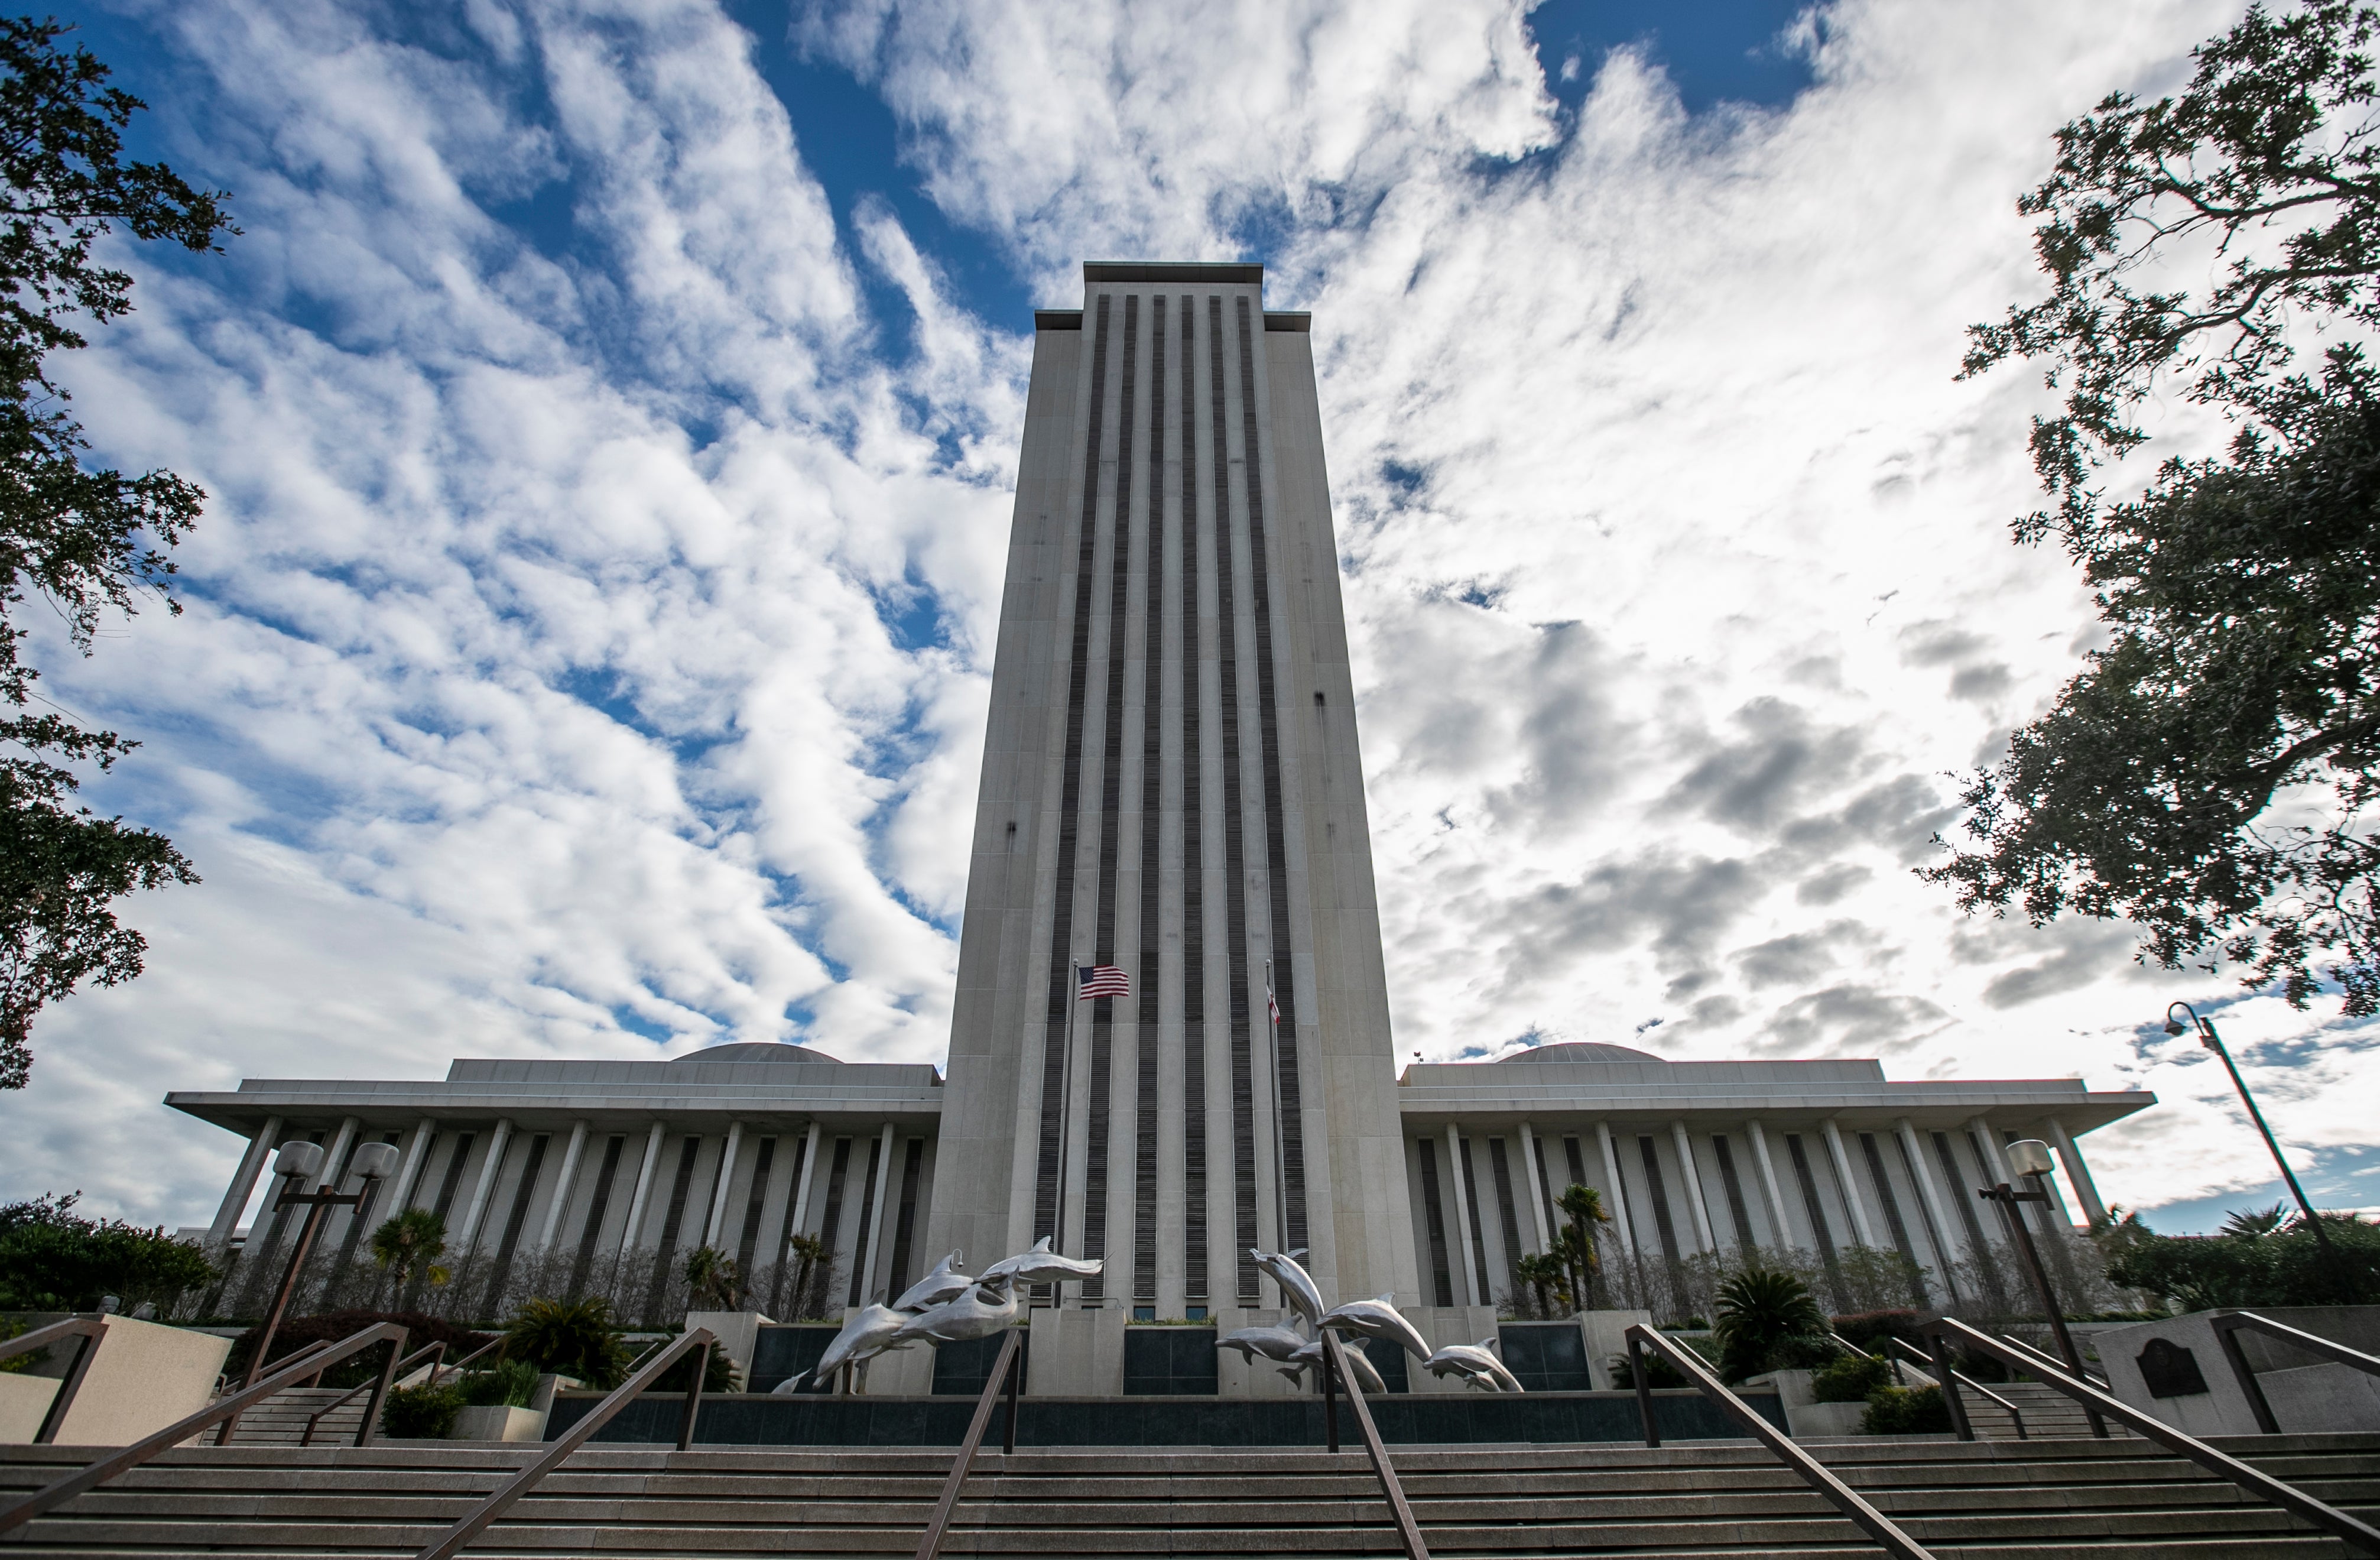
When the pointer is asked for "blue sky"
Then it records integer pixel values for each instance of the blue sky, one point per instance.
(609, 413)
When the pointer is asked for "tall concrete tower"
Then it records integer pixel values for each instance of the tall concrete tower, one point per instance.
(1171, 785)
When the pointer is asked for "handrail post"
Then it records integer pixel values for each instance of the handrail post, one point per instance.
(693, 1398)
(1947, 1379)
(1408, 1530)
(1015, 1385)
(930, 1544)
(90, 1332)
(1329, 1406)
(369, 1431)
(1644, 1389)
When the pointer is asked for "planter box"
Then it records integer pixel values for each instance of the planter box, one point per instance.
(1807, 1421)
(498, 1424)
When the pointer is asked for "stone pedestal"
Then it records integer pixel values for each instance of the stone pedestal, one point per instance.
(736, 1330)
(2175, 1369)
(499, 1423)
(1806, 1416)
(1605, 1335)
(1076, 1353)
(144, 1377)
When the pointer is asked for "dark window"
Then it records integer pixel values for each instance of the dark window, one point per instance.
(749, 1238)
(1813, 1208)
(1433, 1216)
(598, 1204)
(906, 1224)
(1734, 1184)
(859, 1252)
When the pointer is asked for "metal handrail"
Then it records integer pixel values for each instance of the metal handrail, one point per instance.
(306, 1353)
(2288, 1496)
(577, 1436)
(456, 1368)
(2226, 1325)
(1962, 1380)
(1815, 1474)
(1004, 1371)
(1408, 1530)
(349, 1396)
(182, 1430)
(90, 1330)
(2034, 1357)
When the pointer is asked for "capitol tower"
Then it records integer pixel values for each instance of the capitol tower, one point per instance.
(1173, 790)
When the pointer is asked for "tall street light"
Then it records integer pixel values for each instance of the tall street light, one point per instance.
(2030, 1160)
(2213, 1041)
(296, 1164)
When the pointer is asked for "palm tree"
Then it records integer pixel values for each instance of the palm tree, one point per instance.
(1545, 1274)
(408, 1245)
(1585, 1206)
(2254, 1223)
(576, 1338)
(712, 1280)
(1758, 1310)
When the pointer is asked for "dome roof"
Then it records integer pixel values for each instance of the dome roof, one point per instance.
(1580, 1051)
(756, 1051)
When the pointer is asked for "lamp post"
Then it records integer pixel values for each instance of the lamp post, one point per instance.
(296, 1163)
(2030, 1158)
(2213, 1041)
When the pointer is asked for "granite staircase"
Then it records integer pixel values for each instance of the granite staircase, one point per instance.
(2081, 1499)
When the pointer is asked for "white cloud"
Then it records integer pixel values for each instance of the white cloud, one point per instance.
(545, 672)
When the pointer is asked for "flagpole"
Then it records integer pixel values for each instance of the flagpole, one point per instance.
(1065, 1107)
(1280, 1175)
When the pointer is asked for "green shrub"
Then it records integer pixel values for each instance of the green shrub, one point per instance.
(1759, 1310)
(510, 1383)
(1658, 1372)
(1869, 1329)
(1850, 1378)
(576, 1338)
(2283, 1268)
(54, 1259)
(420, 1413)
(718, 1375)
(1905, 1410)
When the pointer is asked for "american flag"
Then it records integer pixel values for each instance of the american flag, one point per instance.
(1102, 980)
(1271, 1006)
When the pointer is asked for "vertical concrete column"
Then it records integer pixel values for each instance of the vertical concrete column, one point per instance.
(489, 1170)
(727, 1174)
(1529, 1184)
(644, 1188)
(1619, 1209)
(1995, 1163)
(409, 1174)
(334, 1157)
(809, 1173)
(2078, 1174)
(875, 1242)
(1768, 1187)
(1457, 1189)
(561, 1185)
(1844, 1177)
(243, 1184)
(1945, 1243)
(1694, 1185)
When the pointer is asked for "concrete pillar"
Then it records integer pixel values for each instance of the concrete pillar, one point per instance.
(1619, 1208)
(727, 1174)
(1694, 1185)
(417, 1154)
(875, 1242)
(1994, 1162)
(1844, 1179)
(809, 1172)
(1768, 1188)
(334, 1157)
(561, 1185)
(1456, 1190)
(644, 1188)
(1529, 1193)
(1945, 1243)
(243, 1184)
(489, 1170)
(2078, 1174)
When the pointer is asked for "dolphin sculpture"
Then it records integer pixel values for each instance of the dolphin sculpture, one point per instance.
(1378, 1319)
(866, 1335)
(1367, 1379)
(1296, 1284)
(943, 1284)
(1040, 1265)
(1476, 1363)
(1271, 1343)
(976, 1313)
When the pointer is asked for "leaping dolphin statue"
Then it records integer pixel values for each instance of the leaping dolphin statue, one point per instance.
(943, 1284)
(1040, 1265)
(866, 1335)
(976, 1313)
(1296, 1285)
(1476, 1363)
(1366, 1378)
(1378, 1319)
(1271, 1343)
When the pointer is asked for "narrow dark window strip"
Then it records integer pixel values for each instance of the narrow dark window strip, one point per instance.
(1659, 1192)
(838, 1170)
(905, 1227)
(1276, 803)
(1734, 1184)
(598, 1204)
(454, 1176)
(1509, 1219)
(1235, 877)
(749, 1238)
(866, 1206)
(1958, 1182)
(1101, 1110)
(658, 1296)
(1152, 798)
(1433, 1214)
(1892, 1218)
(1193, 850)
(786, 1231)
(1478, 1225)
(1817, 1210)
(1070, 799)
